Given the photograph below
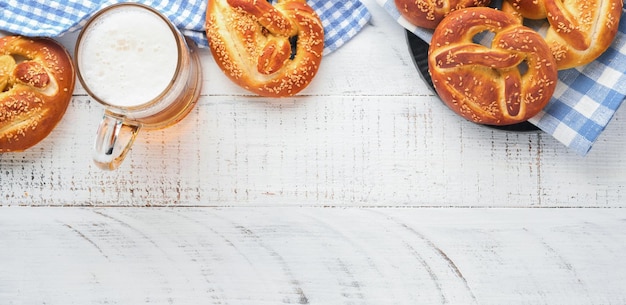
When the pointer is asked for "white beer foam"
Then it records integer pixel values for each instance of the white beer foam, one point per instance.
(128, 56)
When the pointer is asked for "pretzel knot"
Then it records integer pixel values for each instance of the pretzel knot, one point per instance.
(580, 30)
(506, 83)
(272, 50)
(36, 84)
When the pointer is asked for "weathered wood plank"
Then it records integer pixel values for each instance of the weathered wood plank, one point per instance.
(309, 151)
(312, 256)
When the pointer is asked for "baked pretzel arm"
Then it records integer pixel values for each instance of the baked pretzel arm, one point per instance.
(580, 30)
(428, 13)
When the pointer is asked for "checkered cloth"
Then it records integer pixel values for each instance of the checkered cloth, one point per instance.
(585, 99)
(342, 19)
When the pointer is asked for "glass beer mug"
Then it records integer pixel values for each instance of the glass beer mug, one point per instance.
(132, 60)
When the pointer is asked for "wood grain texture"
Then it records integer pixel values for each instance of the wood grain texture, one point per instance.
(367, 132)
(312, 256)
(336, 151)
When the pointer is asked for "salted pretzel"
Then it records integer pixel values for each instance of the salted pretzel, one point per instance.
(271, 50)
(428, 13)
(580, 30)
(502, 84)
(36, 84)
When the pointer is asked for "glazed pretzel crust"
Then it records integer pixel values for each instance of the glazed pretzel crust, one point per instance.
(504, 84)
(36, 84)
(428, 13)
(251, 41)
(580, 30)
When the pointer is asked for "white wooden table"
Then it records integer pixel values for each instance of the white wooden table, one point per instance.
(363, 189)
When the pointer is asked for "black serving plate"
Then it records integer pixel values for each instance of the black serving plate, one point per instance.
(419, 52)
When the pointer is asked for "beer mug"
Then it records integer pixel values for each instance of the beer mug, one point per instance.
(132, 60)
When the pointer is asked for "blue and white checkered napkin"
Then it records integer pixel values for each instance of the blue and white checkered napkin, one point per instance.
(585, 99)
(342, 20)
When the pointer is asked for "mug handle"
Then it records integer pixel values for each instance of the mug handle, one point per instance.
(113, 141)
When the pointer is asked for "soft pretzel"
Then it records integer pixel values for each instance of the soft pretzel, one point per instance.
(506, 83)
(580, 30)
(36, 84)
(272, 50)
(428, 13)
